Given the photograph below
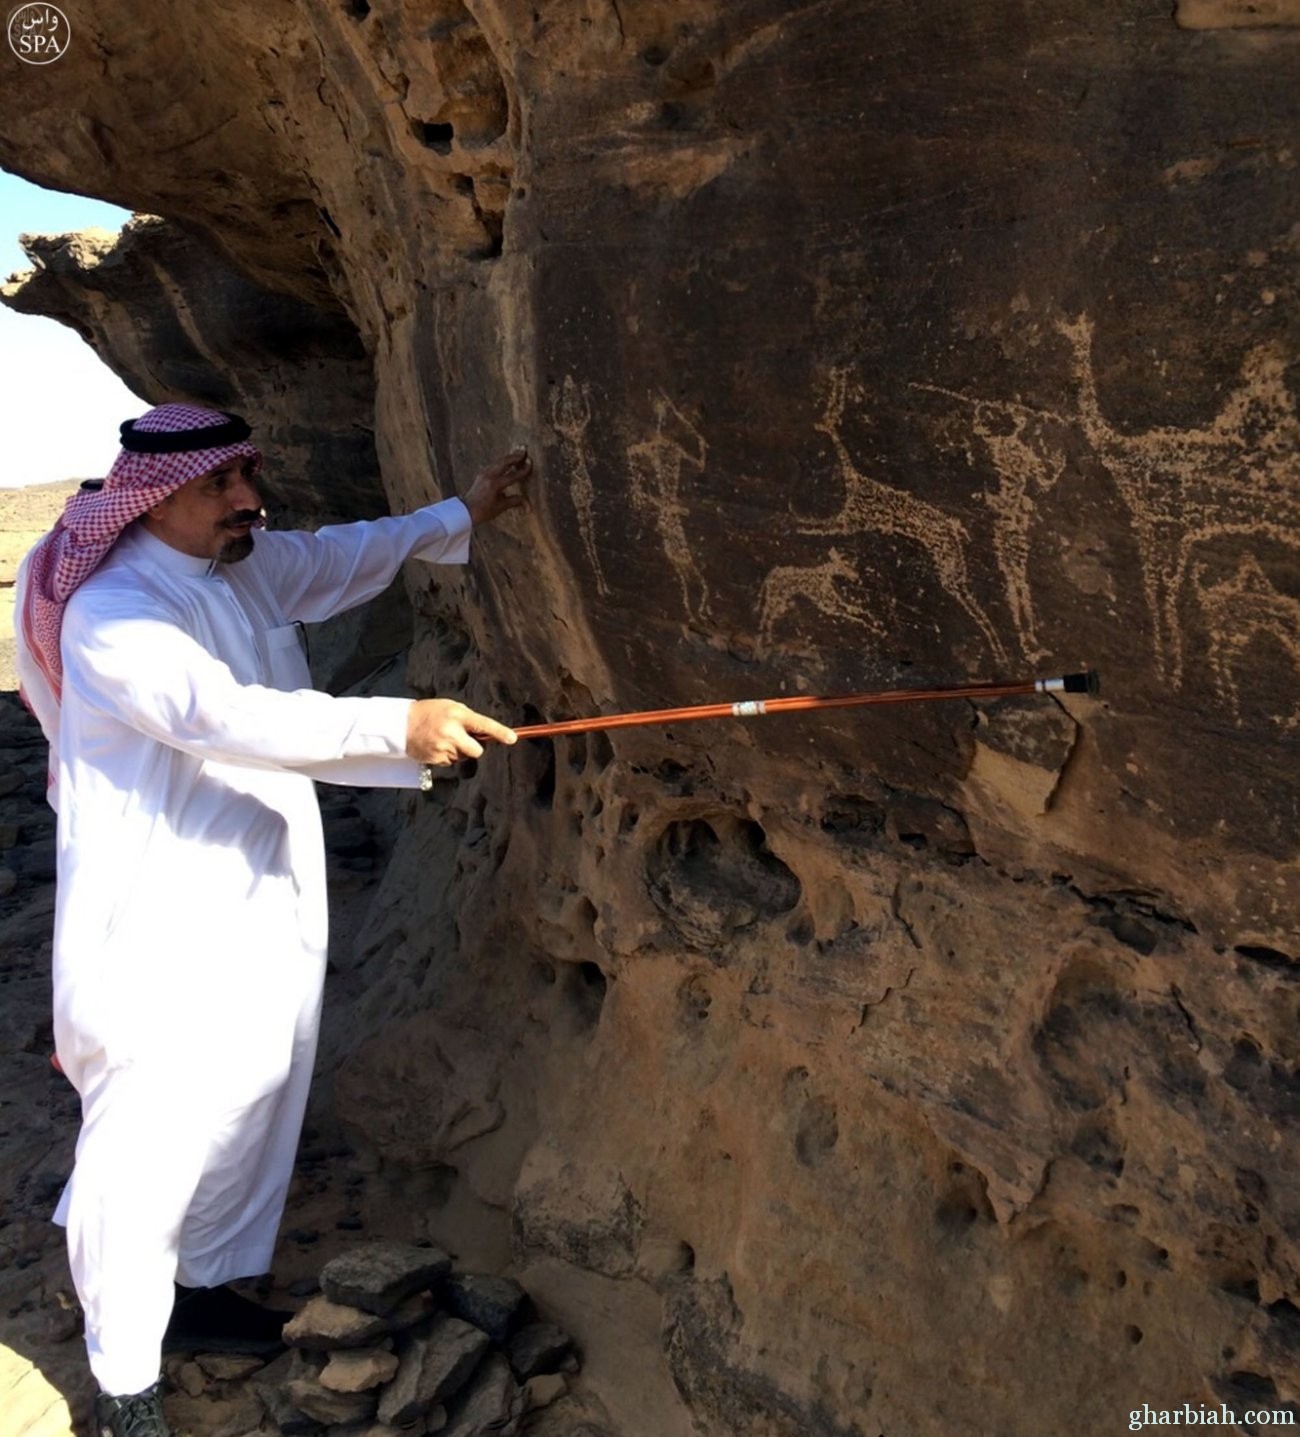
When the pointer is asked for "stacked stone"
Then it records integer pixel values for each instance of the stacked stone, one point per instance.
(396, 1344)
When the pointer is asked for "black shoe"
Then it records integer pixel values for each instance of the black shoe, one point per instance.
(215, 1319)
(139, 1415)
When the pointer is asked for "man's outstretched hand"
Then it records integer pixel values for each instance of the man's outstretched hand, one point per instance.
(488, 496)
(442, 731)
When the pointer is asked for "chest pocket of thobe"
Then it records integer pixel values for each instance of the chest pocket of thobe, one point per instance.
(285, 658)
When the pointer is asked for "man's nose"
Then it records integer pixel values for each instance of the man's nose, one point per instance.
(245, 495)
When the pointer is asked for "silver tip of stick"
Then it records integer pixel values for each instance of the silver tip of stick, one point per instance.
(1084, 683)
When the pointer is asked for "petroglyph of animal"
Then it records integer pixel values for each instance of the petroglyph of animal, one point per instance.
(871, 508)
(1239, 609)
(827, 587)
(1235, 478)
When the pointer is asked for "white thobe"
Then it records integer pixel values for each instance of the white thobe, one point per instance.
(190, 920)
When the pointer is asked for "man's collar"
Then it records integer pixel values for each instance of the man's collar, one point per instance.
(139, 543)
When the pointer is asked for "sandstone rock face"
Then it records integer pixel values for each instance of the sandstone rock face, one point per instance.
(926, 1070)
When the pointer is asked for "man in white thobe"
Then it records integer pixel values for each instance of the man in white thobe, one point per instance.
(158, 646)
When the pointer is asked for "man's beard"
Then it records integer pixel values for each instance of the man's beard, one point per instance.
(237, 547)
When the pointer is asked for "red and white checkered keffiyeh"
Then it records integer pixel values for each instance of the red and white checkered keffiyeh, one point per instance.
(93, 520)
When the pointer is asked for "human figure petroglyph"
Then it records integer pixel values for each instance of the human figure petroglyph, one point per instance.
(820, 585)
(571, 418)
(657, 466)
(1027, 468)
(1028, 462)
(871, 507)
(1238, 610)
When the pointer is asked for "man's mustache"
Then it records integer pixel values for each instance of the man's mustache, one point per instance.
(245, 516)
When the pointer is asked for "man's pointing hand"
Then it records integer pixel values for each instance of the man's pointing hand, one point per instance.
(442, 731)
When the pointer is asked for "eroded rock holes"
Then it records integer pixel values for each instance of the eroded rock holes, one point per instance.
(713, 878)
(584, 986)
(433, 136)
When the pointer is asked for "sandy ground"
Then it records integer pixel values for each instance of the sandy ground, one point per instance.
(39, 1363)
(25, 514)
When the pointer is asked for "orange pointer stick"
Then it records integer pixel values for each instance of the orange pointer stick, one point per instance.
(1082, 683)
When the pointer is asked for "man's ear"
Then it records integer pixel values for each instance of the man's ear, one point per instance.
(156, 512)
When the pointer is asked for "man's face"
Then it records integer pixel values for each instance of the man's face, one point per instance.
(212, 516)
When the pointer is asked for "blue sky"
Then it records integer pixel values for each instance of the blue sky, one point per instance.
(59, 406)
